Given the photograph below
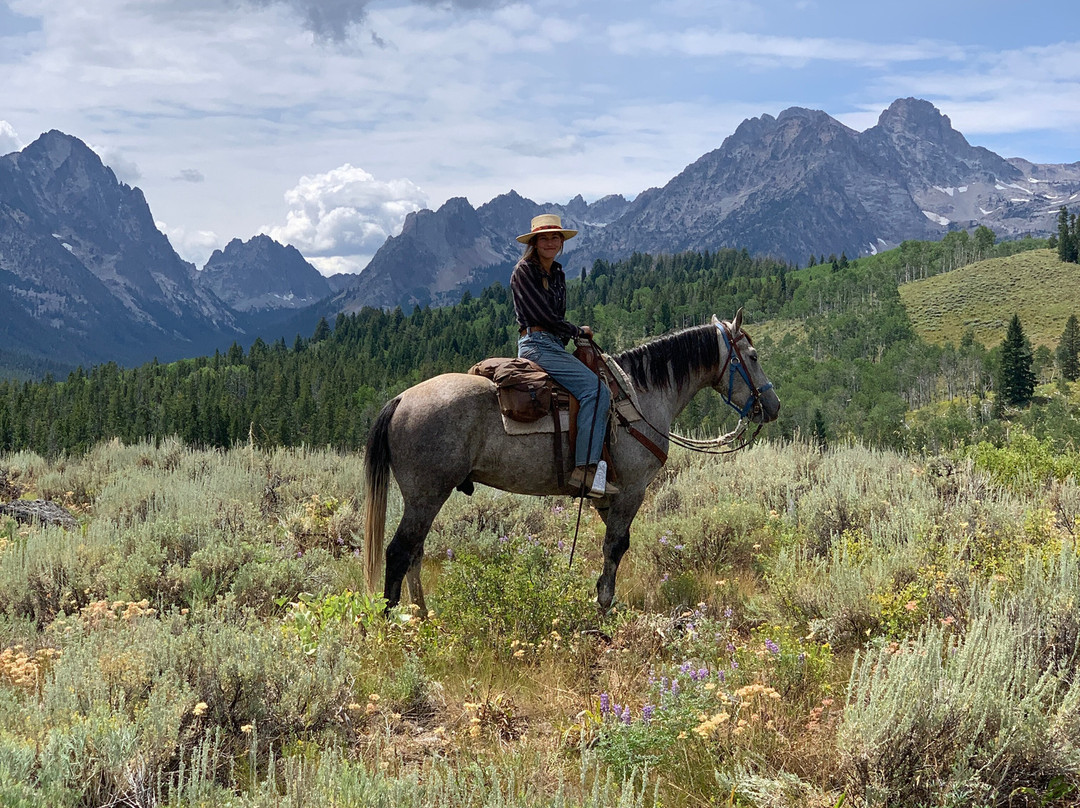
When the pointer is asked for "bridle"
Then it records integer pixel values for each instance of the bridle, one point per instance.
(736, 364)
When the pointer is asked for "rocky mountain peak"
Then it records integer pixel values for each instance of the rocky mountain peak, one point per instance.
(916, 118)
(262, 275)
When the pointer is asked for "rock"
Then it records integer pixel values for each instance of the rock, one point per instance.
(39, 511)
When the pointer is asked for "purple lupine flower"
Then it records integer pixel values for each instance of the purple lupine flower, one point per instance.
(663, 684)
(674, 687)
(560, 544)
(772, 647)
(626, 716)
(734, 665)
(802, 658)
(449, 553)
(721, 675)
(503, 539)
(663, 539)
(731, 646)
(679, 546)
(728, 612)
(605, 704)
(664, 580)
(356, 552)
(703, 674)
(647, 713)
(685, 667)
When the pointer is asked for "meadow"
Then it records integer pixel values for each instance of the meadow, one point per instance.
(984, 296)
(793, 627)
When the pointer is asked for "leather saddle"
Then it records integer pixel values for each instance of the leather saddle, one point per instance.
(527, 393)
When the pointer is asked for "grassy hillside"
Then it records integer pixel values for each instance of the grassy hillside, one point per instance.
(983, 296)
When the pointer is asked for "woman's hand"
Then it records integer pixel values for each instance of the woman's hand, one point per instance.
(586, 331)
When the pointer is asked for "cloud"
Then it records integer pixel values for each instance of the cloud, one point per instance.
(340, 218)
(125, 169)
(195, 246)
(635, 37)
(9, 138)
(190, 175)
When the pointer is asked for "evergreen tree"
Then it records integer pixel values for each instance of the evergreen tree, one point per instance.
(1068, 350)
(1068, 248)
(1016, 379)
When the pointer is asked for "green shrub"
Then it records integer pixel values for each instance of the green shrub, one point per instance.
(517, 598)
(948, 718)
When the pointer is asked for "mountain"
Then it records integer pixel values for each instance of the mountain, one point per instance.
(798, 184)
(86, 275)
(88, 278)
(262, 275)
(440, 254)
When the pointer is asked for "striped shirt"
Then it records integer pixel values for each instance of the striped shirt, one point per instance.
(540, 299)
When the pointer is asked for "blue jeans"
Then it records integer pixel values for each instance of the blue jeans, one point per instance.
(548, 352)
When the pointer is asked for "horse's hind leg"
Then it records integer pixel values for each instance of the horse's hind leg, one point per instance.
(407, 547)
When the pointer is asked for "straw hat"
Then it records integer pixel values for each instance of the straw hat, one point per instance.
(544, 223)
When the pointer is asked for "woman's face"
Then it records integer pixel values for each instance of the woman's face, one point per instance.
(548, 246)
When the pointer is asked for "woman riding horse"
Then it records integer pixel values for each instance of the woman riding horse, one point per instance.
(539, 288)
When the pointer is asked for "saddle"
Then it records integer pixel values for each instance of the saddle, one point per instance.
(527, 393)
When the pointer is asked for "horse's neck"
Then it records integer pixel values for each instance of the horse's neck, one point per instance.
(664, 405)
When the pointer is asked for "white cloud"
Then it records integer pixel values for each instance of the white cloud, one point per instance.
(9, 139)
(125, 169)
(707, 42)
(340, 218)
(194, 246)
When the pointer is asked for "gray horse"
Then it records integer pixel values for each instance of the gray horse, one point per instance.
(447, 433)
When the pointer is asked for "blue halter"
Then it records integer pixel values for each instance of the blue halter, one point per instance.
(736, 364)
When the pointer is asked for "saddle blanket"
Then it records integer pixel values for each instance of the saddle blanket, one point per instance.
(540, 426)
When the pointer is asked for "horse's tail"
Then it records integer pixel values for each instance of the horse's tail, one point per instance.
(377, 481)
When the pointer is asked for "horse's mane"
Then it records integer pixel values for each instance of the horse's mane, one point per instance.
(671, 359)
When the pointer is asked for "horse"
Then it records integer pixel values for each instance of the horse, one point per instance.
(447, 433)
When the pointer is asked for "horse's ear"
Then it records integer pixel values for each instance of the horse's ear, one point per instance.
(736, 326)
(715, 321)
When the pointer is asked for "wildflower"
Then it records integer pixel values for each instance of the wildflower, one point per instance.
(503, 539)
(647, 713)
(674, 687)
(626, 716)
(663, 539)
(680, 546)
(246, 729)
(772, 647)
(449, 553)
(199, 709)
(605, 704)
(911, 605)
(703, 674)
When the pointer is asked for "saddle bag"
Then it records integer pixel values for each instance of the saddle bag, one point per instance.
(525, 389)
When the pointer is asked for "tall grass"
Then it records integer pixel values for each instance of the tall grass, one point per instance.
(792, 627)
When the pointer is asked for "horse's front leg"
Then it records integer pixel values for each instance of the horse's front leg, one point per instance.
(616, 543)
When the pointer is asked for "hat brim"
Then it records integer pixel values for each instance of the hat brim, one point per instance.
(525, 238)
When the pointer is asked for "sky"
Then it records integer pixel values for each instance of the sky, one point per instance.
(325, 122)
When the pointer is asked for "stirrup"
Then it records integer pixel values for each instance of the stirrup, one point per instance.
(595, 480)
